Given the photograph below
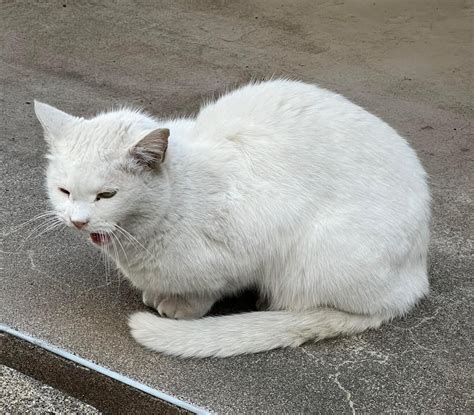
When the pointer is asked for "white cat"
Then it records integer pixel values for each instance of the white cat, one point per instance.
(280, 185)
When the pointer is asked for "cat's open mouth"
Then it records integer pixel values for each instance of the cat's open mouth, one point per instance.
(99, 238)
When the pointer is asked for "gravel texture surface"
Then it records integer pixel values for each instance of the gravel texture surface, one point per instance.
(21, 394)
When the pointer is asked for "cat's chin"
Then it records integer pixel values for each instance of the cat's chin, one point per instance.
(99, 238)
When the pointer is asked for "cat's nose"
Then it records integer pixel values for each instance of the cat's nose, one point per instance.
(79, 224)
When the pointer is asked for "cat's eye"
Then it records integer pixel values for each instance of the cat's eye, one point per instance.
(106, 195)
(63, 190)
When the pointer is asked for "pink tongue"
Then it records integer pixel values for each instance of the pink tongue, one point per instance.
(99, 238)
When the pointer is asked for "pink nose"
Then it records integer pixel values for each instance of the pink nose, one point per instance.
(79, 224)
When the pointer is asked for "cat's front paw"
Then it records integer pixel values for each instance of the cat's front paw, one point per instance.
(184, 308)
(152, 298)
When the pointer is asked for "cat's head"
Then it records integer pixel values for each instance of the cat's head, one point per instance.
(100, 170)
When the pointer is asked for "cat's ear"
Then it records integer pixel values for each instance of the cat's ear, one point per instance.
(53, 121)
(150, 151)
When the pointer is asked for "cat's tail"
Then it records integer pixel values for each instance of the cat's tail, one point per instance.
(244, 333)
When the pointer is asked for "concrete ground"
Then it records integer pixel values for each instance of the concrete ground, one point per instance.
(409, 61)
(21, 394)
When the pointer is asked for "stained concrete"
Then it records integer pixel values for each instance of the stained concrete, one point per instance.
(408, 61)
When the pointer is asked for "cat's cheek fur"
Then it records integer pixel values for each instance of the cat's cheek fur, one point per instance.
(281, 186)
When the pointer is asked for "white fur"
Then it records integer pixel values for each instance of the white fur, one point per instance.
(281, 186)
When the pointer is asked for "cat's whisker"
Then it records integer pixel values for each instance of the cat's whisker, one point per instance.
(132, 238)
(126, 234)
(121, 246)
(50, 228)
(128, 239)
(43, 223)
(116, 255)
(37, 217)
(39, 228)
(108, 263)
(100, 259)
(113, 239)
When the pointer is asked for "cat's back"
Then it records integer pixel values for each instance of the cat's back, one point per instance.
(302, 124)
(303, 139)
(262, 105)
(291, 112)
